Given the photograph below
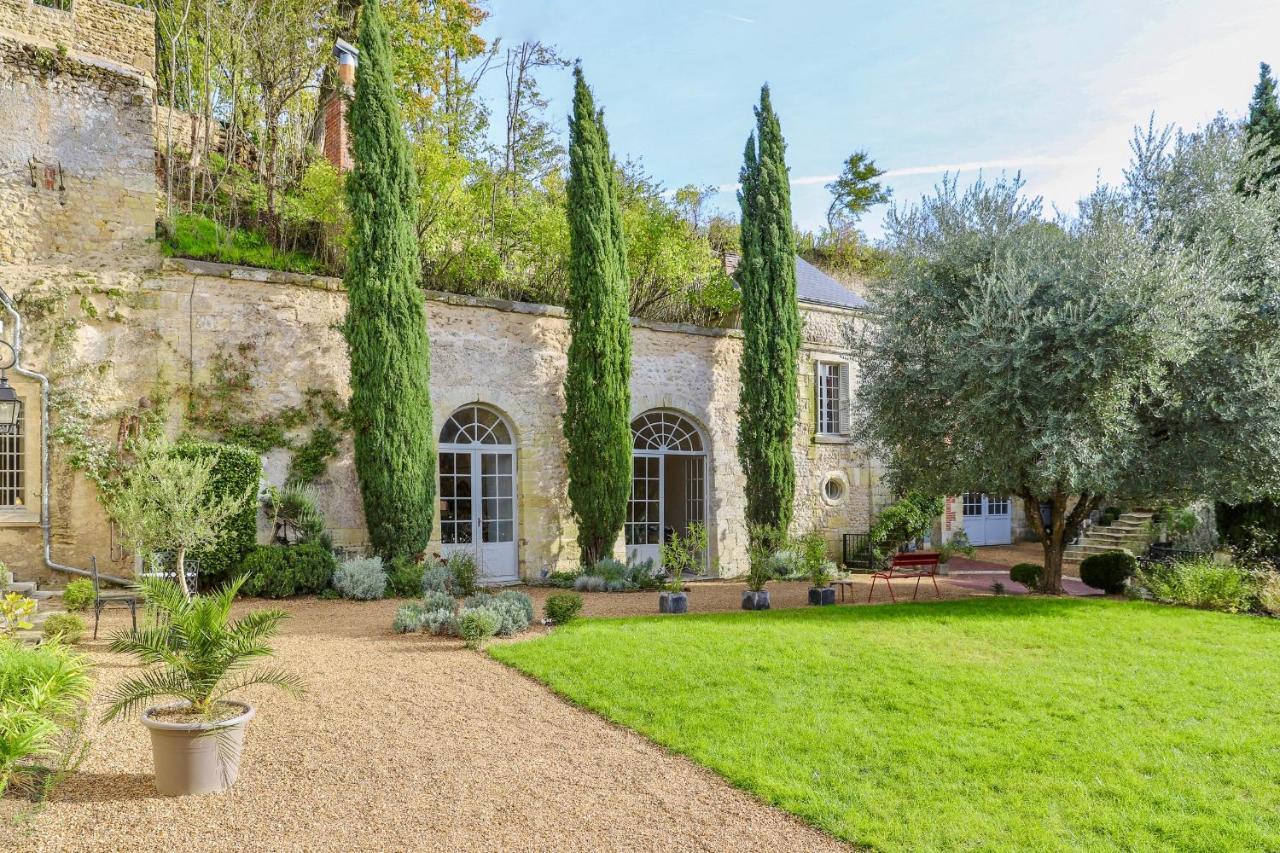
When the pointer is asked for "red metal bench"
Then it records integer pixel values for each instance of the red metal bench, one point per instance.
(920, 565)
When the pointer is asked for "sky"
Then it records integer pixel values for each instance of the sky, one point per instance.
(1049, 88)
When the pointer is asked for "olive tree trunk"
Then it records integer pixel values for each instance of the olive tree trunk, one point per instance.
(1062, 528)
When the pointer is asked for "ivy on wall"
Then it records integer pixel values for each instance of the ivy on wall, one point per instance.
(217, 409)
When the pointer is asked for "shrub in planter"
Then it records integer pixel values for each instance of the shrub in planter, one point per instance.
(1202, 583)
(44, 691)
(66, 626)
(477, 624)
(681, 553)
(78, 595)
(816, 566)
(1027, 574)
(1108, 571)
(759, 572)
(196, 741)
(405, 578)
(562, 608)
(362, 579)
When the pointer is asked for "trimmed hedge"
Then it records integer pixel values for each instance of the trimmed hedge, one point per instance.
(277, 571)
(1027, 574)
(1108, 571)
(235, 470)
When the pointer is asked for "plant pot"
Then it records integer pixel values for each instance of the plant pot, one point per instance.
(752, 600)
(196, 758)
(673, 602)
(819, 595)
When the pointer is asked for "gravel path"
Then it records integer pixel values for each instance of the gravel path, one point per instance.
(411, 743)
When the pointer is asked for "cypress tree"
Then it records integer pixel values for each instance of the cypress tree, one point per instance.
(770, 327)
(1262, 128)
(597, 426)
(385, 327)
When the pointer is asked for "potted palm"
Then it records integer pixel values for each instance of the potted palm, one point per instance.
(197, 656)
(814, 563)
(680, 553)
(760, 570)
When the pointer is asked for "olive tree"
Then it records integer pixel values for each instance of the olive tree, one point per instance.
(1130, 351)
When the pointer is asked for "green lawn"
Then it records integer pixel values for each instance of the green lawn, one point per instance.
(1003, 723)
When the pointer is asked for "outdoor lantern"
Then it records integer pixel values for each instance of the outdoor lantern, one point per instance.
(10, 407)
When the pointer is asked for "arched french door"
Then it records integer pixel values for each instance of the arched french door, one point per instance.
(668, 482)
(478, 491)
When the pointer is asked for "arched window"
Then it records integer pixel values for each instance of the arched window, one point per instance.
(475, 425)
(665, 431)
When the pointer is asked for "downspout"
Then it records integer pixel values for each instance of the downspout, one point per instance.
(44, 449)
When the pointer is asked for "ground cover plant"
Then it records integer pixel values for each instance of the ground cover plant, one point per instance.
(1000, 724)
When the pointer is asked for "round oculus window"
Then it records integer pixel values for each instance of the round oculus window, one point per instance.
(833, 489)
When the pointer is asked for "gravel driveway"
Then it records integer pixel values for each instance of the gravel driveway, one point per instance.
(406, 743)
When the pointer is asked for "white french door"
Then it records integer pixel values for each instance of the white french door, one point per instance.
(477, 510)
(988, 519)
(643, 532)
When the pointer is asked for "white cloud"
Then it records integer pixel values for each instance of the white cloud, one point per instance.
(739, 18)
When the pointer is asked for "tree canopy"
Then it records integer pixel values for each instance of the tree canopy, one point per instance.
(1130, 351)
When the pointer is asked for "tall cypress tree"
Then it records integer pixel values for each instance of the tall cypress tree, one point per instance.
(385, 326)
(597, 390)
(770, 327)
(1262, 128)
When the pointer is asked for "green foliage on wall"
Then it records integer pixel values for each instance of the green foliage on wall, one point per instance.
(770, 326)
(385, 327)
(235, 471)
(597, 392)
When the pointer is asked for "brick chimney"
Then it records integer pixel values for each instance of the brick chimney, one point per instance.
(337, 139)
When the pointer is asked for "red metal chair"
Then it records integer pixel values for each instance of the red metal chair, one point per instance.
(920, 565)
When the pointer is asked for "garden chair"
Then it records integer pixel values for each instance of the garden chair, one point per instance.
(103, 599)
(919, 565)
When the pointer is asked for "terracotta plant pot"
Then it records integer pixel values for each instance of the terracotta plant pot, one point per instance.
(196, 758)
(819, 595)
(673, 602)
(752, 600)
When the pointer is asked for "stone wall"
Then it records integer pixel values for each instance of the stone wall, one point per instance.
(121, 331)
(77, 160)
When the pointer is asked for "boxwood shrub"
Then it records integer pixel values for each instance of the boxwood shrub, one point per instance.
(563, 607)
(1027, 574)
(279, 571)
(1108, 571)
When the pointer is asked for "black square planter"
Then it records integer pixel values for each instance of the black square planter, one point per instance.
(673, 602)
(755, 600)
(822, 595)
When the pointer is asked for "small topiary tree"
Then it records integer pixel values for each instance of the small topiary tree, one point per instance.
(1108, 571)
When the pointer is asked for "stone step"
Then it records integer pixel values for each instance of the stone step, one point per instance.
(22, 588)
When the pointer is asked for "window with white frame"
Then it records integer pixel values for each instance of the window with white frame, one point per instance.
(832, 398)
(13, 465)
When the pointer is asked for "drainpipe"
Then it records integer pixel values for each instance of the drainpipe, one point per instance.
(44, 448)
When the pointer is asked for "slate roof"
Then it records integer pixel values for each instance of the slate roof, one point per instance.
(813, 285)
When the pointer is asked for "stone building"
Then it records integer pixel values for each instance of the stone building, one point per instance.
(114, 333)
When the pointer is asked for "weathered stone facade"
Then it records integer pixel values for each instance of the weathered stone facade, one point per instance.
(164, 324)
(76, 152)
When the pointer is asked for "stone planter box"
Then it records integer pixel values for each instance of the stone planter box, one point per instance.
(673, 602)
(822, 595)
(755, 600)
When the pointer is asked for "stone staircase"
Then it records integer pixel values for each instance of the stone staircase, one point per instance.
(1132, 531)
(48, 602)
